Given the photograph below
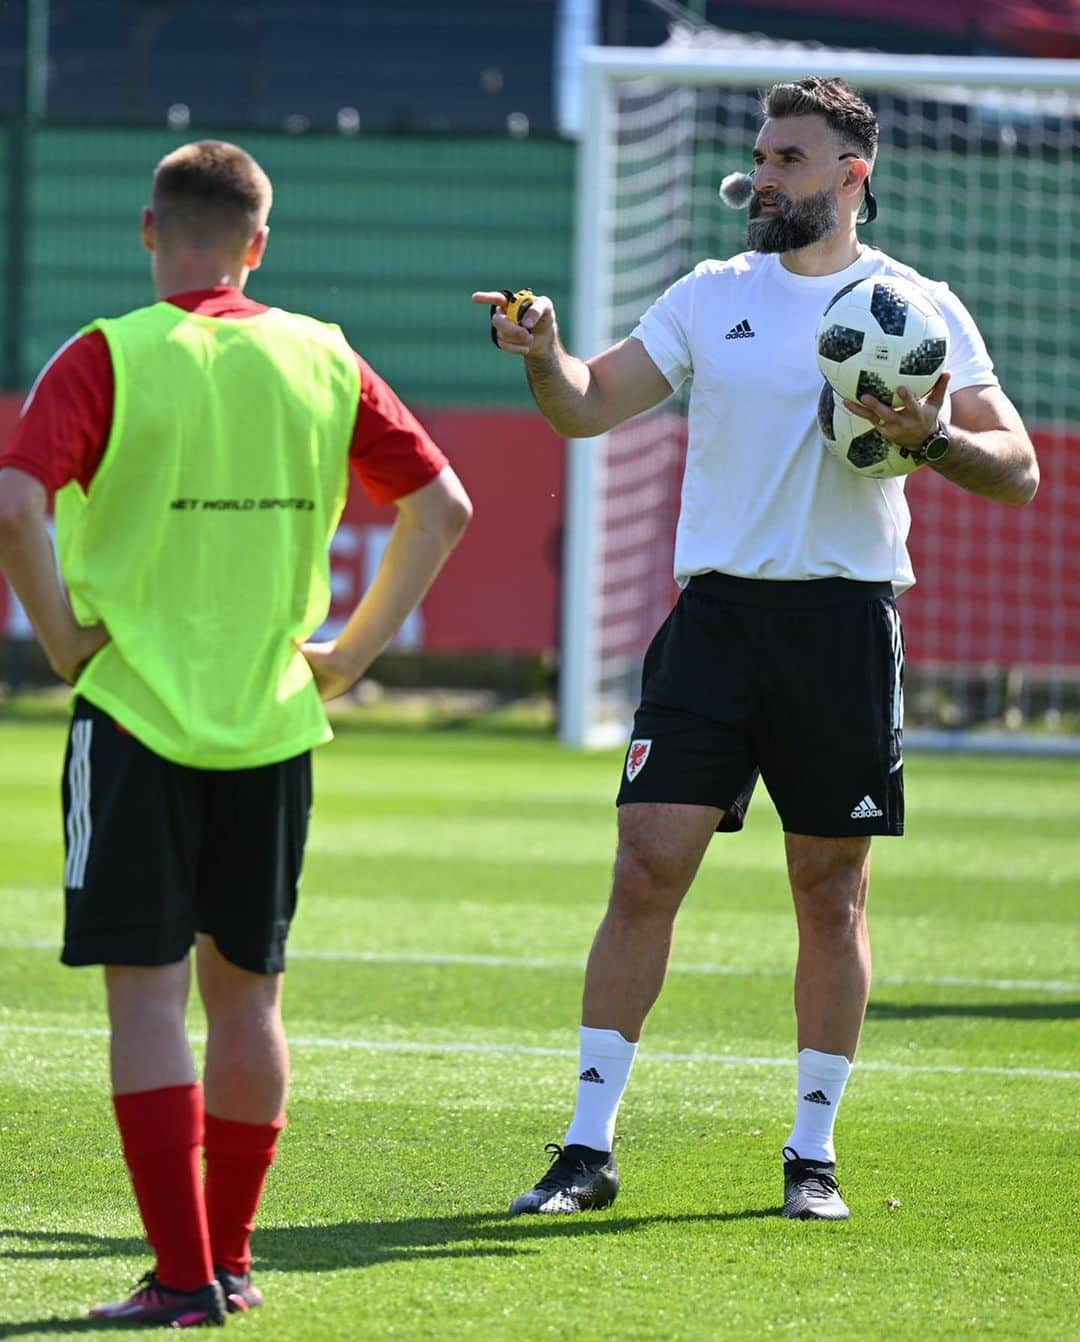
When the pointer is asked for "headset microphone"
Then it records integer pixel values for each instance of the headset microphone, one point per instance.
(736, 189)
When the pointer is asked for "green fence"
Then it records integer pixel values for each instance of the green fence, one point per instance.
(388, 236)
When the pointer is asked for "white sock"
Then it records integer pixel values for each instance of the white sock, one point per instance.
(822, 1078)
(606, 1059)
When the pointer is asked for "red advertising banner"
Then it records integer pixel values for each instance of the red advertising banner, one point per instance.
(499, 591)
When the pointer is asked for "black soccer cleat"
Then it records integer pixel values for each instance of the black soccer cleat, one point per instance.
(240, 1294)
(811, 1192)
(579, 1179)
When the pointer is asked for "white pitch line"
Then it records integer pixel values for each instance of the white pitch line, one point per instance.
(578, 966)
(458, 1047)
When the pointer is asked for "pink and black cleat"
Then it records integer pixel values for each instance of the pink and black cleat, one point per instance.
(154, 1303)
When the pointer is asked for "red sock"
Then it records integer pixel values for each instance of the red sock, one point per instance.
(238, 1157)
(162, 1131)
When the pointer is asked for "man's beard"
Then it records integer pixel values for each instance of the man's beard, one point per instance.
(797, 223)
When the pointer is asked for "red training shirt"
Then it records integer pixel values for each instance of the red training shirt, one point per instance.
(66, 420)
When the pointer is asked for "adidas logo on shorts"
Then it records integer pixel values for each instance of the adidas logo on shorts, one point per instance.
(867, 809)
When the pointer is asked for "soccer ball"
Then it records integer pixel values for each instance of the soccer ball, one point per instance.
(857, 443)
(882, 333)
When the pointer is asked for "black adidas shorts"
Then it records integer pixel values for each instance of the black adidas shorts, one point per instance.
(801, 682)
(156, 852)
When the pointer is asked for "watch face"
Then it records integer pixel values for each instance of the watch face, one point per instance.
(935, 447)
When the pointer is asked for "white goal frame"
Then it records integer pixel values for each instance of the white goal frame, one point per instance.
(674, 65)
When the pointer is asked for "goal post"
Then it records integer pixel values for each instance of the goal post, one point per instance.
(976, 182)
(591, 324)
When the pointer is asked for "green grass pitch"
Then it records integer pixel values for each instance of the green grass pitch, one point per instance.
(453, 884)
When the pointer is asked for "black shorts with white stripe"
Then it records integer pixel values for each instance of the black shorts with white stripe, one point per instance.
(158, 851)
(800, 682)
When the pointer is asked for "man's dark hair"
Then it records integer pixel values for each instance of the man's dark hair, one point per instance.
(210, 192)
(848, 116)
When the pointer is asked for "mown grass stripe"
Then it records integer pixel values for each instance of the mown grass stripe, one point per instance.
(527, 1050)
(530, 962)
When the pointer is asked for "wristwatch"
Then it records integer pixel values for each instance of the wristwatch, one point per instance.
(936, 446)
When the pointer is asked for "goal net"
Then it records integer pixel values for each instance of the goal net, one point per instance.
(976, 182)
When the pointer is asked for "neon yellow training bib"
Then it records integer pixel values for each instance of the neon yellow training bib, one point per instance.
(202, 542)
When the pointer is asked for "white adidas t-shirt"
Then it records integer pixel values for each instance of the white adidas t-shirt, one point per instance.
(761, 497)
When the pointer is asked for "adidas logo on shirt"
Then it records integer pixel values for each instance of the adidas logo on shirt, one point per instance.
(867, 809)
(741, 332)
(591, 1074)
(817, 1097)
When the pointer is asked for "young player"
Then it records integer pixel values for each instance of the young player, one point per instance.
(199, 451)
(783, 655)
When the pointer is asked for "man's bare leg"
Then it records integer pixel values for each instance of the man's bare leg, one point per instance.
(660, 849)
(247, 1058)
(148, 1043)
(159, 1110)
(829, 882)
(247, 1075)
